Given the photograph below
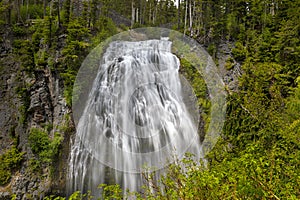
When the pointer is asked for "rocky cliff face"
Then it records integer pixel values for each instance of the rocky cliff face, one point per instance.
(31, 100)
(229, 68)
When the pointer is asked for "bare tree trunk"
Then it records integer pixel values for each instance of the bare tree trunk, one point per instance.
(185, 16)
(150, 10)
(154, 15)
(50, 25)
(191, 18)
(17, 7)
(272, 8)
(141, 12)
(179, 17)
(132, 14)
(58, 12)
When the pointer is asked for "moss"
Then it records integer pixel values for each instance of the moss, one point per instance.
(19, 30)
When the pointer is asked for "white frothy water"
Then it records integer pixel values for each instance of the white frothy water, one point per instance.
(134, 118)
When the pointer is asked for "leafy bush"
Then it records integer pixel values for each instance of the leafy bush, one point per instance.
(44, 147)
(75, 196)
(19, 30)
(229, 64)
(10, 161)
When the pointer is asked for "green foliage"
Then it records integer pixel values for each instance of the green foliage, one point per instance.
(75, 196)
(37, 36)
(10, 161)
(24, 95)
(31, 11)
(19, 30)
(105, 28)
(293, 104)
(239, 52)
(74, 52)
(77, 47)
(229, 63)
(199, 88)
(23, 49)
(52, 197)
(252, 174)
(41, 145)
(34, 165)
(212, 50)
(111, 192)
(39, 140)
(3, 7)
(42, 39)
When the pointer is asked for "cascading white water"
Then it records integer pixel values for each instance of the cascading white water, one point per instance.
(134, 117)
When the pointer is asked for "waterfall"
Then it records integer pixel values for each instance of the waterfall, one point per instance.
(135, 118)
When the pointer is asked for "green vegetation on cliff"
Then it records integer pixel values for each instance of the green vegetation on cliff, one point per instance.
(10, 161)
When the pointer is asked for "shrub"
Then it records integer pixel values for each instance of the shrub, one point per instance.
(23, 49)
(10, 161)
(212, 50)
(229, 63)
(19, 30)
(239, 52)
(24, 95)
(44, 147)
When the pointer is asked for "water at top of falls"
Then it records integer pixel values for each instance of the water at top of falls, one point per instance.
(134, 117)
